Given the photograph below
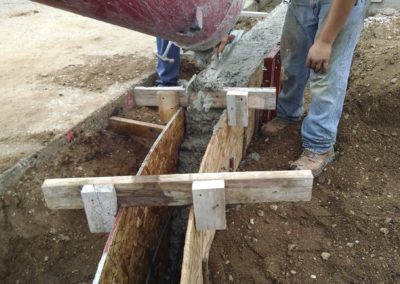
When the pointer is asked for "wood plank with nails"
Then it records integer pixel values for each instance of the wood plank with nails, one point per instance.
(259, 98)
(176, 189)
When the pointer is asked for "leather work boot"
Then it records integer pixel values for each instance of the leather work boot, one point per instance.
(273, 127)
(312, 161)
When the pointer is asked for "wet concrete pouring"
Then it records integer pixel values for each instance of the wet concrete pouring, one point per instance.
(348, 233)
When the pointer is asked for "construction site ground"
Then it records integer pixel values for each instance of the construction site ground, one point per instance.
(352, 220)
(350, 231)
(56, 68)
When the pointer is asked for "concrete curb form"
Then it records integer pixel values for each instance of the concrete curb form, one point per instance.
(96, 120)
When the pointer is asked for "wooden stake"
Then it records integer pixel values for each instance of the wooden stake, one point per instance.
(100, 202)
(168, 104)
(238, 108)
(209, 204)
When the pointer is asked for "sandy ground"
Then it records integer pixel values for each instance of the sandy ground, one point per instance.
(56, 68)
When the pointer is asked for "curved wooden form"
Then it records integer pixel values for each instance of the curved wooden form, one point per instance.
(125, 257)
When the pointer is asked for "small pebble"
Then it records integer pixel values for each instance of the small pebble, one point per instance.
(260, 213)
(230, 277)
(388, 220)
(394, 80)
(350, 245)
(384, 230)
(325, 255)
(252, 221)
(293, 272)
(46, 258)
(274, 207)
(313, 276)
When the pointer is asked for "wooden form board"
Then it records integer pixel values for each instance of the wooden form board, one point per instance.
(125, 257)
(176, 189)
(134, 127)
(224, 152)
(148, 96)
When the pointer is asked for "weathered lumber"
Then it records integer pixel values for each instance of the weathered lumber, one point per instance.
(209, 204)
(134, 127)
(259, 98)
(168, 104)
(126, 257)
(239, 69)
(176, 189)
(224, 152)
(100, 202)
(237, 107)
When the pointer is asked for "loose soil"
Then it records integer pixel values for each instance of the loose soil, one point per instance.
(100, 72)
(349, 231)
(43, 246)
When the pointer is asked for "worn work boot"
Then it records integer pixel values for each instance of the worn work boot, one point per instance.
(273, 127)
(312, 161)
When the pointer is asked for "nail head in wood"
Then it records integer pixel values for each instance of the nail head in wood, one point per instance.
(209, 204)
(100, 203)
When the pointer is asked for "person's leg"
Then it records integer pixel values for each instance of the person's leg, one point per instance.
(328, 90)
(168, 72)
(297, 37)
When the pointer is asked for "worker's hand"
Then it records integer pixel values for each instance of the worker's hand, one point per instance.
(319, 56)
(224, 42)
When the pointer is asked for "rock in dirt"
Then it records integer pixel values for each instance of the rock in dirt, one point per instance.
(325, 255)
(274, 207)
(253, 157)
(260, 213)
(394, 81)
(230, 277)
(388, 220)
(384, 231)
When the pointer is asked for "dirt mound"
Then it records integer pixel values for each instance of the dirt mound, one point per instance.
(349, 232)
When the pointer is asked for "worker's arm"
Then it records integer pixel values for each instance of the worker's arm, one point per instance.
(320, 52)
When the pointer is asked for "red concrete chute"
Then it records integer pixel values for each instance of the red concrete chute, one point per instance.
(191, 24)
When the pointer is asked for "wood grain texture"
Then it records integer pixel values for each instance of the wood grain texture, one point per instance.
(209, 204)
(168, 104)
(134, 127)
(223, 152)
(125, 257)
(237, 108)
(259, 98)
(173, 190)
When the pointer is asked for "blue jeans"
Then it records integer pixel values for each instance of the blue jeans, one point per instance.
(303, 23)
(168, 72)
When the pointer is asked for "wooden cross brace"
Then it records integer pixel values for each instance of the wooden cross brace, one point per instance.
(236, 100)
(208, 192)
